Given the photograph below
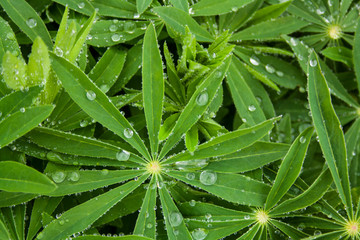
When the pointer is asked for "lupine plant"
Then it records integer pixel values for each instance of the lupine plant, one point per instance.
(179, 119)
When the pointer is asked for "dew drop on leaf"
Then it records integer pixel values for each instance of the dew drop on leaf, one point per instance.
(293, 42)
(116, 37)
(175, 219)
(31, 23)
(128, 133)
(199, 234)
(251, 108)
(73, 176)
(83, 123)
(22, 110)
(192, 203)
(313, 62)
(190, 176)
(254, 61)
(129, 27)
(58, 176)
(269, 68)
(81, 5)
(279, 73)
(202, 98)
(104, 172)
(90, 95)
(302, 139)
(113, 28)
(122, 155)
(246, 217)
(149, 225)
(208, 177)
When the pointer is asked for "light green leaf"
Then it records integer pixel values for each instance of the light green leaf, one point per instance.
(251, 233)
(356, 53)
(269, 12)
(4, 233)
(329, 130)
(181, 4)
(83, 215)
(270, 29)
(214, 7)
(178, 20)
(192, 138)
(196, 106)
(146, 220)
(8, 40)
(339, 54)
(17, 177)
(39, 63)
(307, 198)
(249, 158)
(142, 5)
(19, 123)
(175, 225)
(26, 18)
(81, 6)
(235, 188)
(14, 71)
(352, 140)
(226, 143)
(95, 103)
(290, 168)
(153, 86)
(82, 181)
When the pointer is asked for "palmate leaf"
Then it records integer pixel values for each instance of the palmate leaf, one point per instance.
(290, 168)
(196, 106)
(81, 216)
(17, 177)
(329, 131)
(235, 188)
(213, 7)
(26, 18)
(81, 89)
(153, 86)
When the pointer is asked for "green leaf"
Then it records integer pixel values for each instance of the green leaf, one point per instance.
(178, 20)
(315, 192)
(181, 4)
(142, 5)
(153, 86)
(290, 168)
(249, 158)
(81, 6)
(26, 18)
(19, 123)
(192, 138)
(146, 220)
(81, 89)
(245, 102)
(4, 233)
(196, 106)
(8, 199)
(104, 74)
(288, 229)
(326, 236)
(339, 54)
(231, 187)
(127, 237)
(83, 215)
(78, 145)
(167, 126)
(270, 12)
(214, 7)
(175, 225)
(270, 29)
(82, 181)
(8, 40)
(39, 63)
(352, 140)
(356, 53)
(14, 71)
(226, 143)
(17, 177)
(329, 130)
(251, 233)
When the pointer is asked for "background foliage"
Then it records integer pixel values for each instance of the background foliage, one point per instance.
(179, 119)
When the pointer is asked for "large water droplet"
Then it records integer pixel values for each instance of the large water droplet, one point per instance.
(83, 123)
(190, 176)
(302, 139)
(293, 42)
(22, 110)
(175, 219)
(90, 95)
(129, 27)
(251, 108)
(81, 5)
(199, 234)
(269, 68)
(116, 37)
(59, 52)
(192, 203)
(73, 176)
(104, 172)
(313, 62)
(136, 15)
(246, 217)
(113, 28)
(128, 133)
(202, 98)
(58, 176)
(31, 23)
(122, 155)
(254, 61)
(208, 177)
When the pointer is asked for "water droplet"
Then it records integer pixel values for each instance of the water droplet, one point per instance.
(128, 133)
(246, 217)
(59, 52)
(269, 68)
(208, 177)
(104, 88)
(279, 73)
(22, 110)
(136, 15)
(191, 11)
(116, 37)
(61, 222)
(175, 219)
(83, 123)
(317, 232)
(293, 42)
(122, 155)
(313, 62)
(320, 11)
(58, 176)
(302, 139)
(251, 108)
(234, 9)
(90, 95)
(199, 234)
(254, 61)
(31, 23)
(104, 172)
(81, 5)
(149, 225)
(113, 28)
(73, 176)
(208, 216)
(129, 27)
(202, 98)
(192, 203)
(190, 176)
(10, 36)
